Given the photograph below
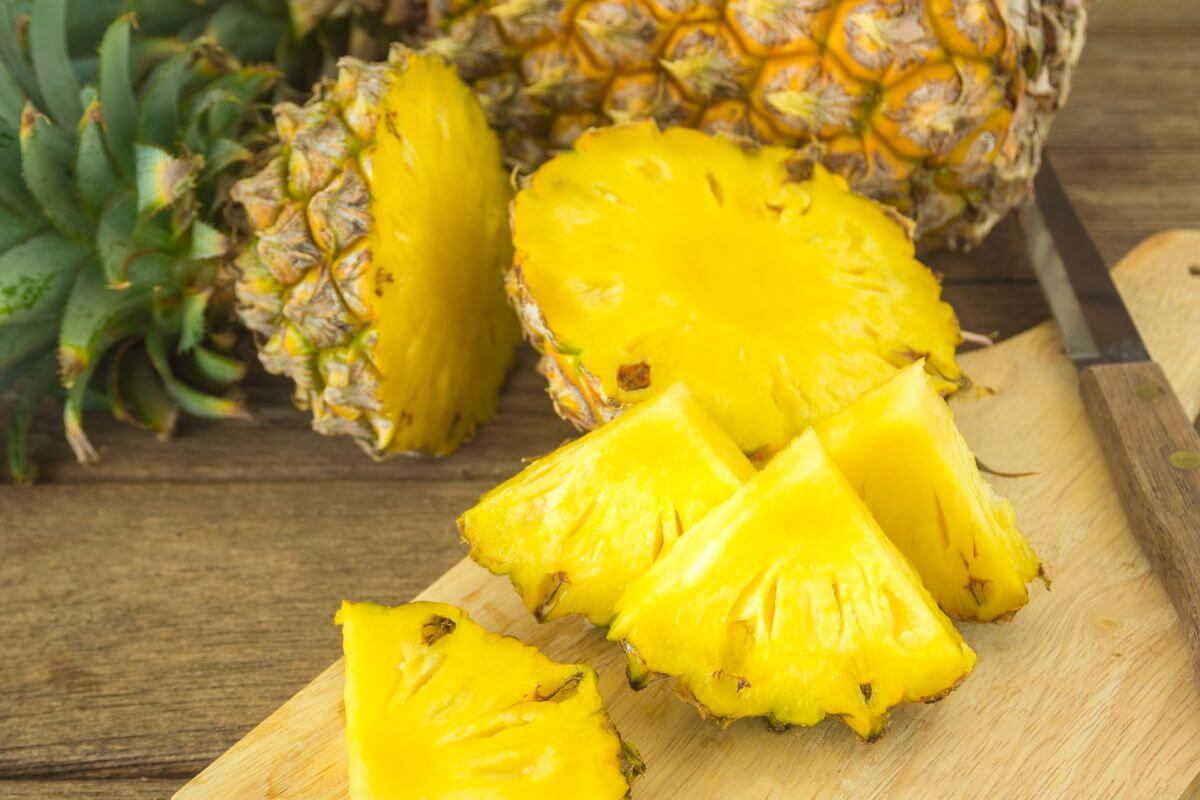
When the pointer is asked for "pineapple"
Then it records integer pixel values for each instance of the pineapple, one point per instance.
(938, 107)
(788, 602)
(574, 528)
(901, 451)
(374, 273)
(438, 707)
(645, 258)
(111, 176)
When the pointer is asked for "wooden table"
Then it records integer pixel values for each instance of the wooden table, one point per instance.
(155, 607)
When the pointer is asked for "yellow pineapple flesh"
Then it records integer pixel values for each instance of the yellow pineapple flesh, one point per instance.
(901, 451)
(438, 707)
(645, 258)
(788, 602)
(572, 529)
(938, 107)
(374, 275)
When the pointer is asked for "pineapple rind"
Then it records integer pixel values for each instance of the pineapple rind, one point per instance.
(938, 107)
(788, 602)
(753, 276)
(438, 707)
(900, 449)
(375, 274)
(573, 528)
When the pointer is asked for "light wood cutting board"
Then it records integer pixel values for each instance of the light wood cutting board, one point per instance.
(1085, 694)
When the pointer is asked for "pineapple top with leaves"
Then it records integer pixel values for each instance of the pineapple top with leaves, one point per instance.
(112, 172)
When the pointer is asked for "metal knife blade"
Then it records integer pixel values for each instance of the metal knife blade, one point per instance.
(1095, 324)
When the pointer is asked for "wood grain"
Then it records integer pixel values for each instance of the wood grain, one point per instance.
(1068, 700)
(117, 789)
(132, 652)
(1154, 453)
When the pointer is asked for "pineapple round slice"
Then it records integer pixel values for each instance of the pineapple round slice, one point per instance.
(375, 271)
(438, 707)
(788, 602)
(645, 258)
(572, 529)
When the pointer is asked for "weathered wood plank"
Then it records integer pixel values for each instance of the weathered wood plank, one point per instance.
(280, 446)
(130, 789)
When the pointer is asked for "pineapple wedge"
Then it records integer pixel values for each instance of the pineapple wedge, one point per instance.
(438, 707)
(788, 602)
(575, 527)
(899, 448)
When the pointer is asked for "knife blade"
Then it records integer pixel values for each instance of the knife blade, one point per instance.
(1147, 439)
(1095, 324)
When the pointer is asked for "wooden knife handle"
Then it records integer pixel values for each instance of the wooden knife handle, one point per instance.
(1154, 454)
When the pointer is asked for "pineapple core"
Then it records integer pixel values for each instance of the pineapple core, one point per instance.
(575, 527)
(787, 601)
(645, 258)
(899, 448)
(438, 707)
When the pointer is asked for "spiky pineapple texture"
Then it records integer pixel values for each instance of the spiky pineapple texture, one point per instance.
(110, 241)
(374, 273)
(938, 107)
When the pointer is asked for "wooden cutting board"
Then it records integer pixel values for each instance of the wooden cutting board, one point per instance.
(1087, 693)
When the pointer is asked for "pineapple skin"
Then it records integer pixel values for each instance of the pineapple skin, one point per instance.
(647, 257)
(788, 602)
(938, 107)
(900, 449)
(374, 272)
(438, 707)
(573, 528)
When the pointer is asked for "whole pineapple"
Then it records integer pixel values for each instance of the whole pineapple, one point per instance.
(111, 177)
(938, 107)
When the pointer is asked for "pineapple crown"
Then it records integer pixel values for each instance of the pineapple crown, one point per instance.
(113, 172)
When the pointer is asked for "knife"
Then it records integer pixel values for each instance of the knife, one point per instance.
(1148, 441)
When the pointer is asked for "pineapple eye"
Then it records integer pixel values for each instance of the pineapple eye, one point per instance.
(436, 628)
(562, 693)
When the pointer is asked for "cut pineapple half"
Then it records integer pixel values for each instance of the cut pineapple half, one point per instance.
(575, 527)
(646, 258)
(374, 276)
(438, 707)
(788, 602)
(901, 451)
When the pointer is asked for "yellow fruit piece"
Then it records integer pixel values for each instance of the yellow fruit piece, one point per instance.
(375, 272)
(572, 529)
(438, 707)
(646, 258)
(899, 448)
(788, 602)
